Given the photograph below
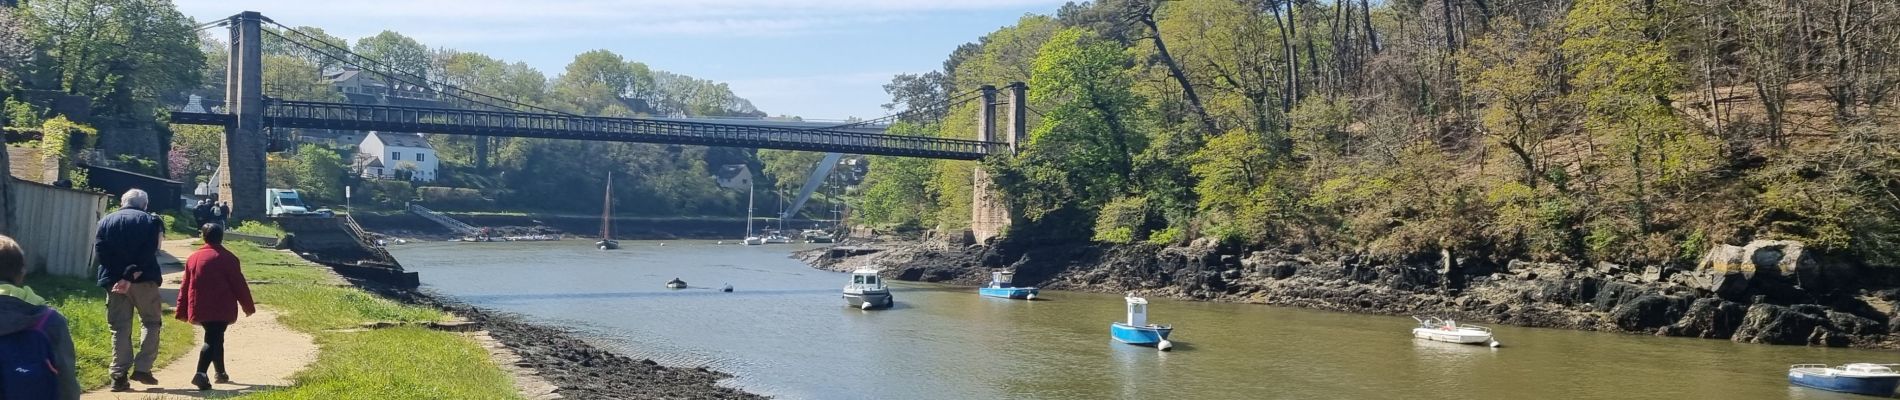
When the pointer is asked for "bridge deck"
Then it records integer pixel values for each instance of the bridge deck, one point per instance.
(320, 115)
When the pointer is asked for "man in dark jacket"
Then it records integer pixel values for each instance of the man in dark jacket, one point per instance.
(127, 249)
(21, 309)
(202, 214)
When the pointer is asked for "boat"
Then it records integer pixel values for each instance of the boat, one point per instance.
(676, 283)
(867, 291)
(1858, 378)
(1137, 330)
(750, 239)
(727, 288)
(607, 241)
(1449, 331)
(1000, 287)
(819, 236)
(776, 238)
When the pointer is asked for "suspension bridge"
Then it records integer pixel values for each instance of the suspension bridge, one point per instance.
(249, 112)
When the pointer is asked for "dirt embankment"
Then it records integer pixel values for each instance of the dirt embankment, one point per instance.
(578, 369)
(1766, 292)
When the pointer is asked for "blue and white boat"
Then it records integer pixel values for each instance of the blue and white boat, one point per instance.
(1000, 287)
(1137, 331)
(1858, 378)
(867, 291)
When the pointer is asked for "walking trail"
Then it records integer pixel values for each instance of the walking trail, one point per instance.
(259, 352)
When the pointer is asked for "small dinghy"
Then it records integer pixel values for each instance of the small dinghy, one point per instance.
(1858, 378)
(676, 283)
(1449, 331)
(727, 288)
(1137, 330)
(1000, 287)
(866, 290)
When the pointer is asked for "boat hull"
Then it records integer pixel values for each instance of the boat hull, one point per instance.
(876, 299)
(1460, 336)
(607, 245)
(1876, 386)
(1008, 293)
(1139, 335)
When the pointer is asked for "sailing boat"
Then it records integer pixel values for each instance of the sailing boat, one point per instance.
(778, 235)
(607, 241)
(750, 239)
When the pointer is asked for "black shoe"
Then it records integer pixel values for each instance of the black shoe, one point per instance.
(222, 378)
(201, 382)
(145, 378)
(119, 384)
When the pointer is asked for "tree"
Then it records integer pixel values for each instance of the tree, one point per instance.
(789, 169)
(404, 54)
(1517, 77)
(1083, 153)
(919, 94)
(123, 54)
(319, 173)
(14, 50)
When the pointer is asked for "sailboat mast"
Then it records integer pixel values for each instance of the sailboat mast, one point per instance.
(607, 208)
(748, 207)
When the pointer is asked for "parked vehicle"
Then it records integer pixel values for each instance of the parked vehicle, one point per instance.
(285, 203)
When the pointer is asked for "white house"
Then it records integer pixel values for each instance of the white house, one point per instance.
(385, 155)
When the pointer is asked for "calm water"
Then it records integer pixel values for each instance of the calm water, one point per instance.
(786, 333)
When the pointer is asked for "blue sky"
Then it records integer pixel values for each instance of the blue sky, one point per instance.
(825, 59)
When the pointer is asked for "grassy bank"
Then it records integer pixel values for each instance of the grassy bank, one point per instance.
(84, 306)
(386, 363)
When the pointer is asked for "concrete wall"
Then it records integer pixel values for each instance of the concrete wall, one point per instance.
(56, 226)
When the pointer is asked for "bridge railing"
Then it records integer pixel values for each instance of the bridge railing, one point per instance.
(454, 121)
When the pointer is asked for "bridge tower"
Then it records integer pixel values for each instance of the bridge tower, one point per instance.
(242, 159)
(990, 215)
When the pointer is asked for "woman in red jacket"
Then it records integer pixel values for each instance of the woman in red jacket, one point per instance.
(212, 291)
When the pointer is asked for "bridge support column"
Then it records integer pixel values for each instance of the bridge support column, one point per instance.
(989, 214)
(242, 161)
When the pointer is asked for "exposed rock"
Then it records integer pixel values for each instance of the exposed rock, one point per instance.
(1773, 324)
(1647, 312)
(1612, 294)
(1854, 324)
(1724, 259)
(1709, 318)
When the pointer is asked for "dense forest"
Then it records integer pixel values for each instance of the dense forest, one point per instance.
(1628, 131)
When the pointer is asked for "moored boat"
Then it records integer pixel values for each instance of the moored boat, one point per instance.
(1137, 330)
(1858, 378)
(754, 241)
(1000, 287)
(867, 291)
(1449, 331)
(676, 283)
(607, 241)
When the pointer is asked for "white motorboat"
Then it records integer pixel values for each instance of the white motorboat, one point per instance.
(1449, 331)
(867, 291)
(754, 241)
(676, 283)
(777, 239)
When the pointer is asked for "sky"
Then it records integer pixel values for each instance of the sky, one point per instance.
(818, 59)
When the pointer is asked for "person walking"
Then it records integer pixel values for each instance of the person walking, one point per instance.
(44, 339)
(213, 290)
(126, 248)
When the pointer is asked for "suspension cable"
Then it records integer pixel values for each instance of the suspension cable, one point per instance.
(348, 57)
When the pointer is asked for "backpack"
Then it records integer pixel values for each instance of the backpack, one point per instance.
(26, 363)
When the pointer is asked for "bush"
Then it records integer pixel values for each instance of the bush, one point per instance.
(389, 193)
(1172, 235)
(452, 198)
(260, 229)
(1123, 220)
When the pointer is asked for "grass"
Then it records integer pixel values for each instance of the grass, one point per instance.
(405, 362)
(256, 228)
(84, 305)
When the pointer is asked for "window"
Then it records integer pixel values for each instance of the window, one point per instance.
(870, 280)
(395, 155)
(418, 156)
(858, 279)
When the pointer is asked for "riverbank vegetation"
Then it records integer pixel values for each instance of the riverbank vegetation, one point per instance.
(1586, 130)
(402, 362)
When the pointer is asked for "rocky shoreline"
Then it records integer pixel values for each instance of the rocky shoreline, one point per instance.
(577, 369)
(1766, 292)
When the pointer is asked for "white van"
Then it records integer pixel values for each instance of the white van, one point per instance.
(285, 202)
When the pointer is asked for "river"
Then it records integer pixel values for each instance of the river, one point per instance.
(785, 332)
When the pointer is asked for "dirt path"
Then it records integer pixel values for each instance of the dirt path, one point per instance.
(260, 352)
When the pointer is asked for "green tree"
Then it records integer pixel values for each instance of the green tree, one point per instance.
(1083, 153)
(123, 54)
(395, 50)
(319, 172)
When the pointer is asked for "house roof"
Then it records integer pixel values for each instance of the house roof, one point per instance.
(349, 74)
(397, 139)
(367, 161)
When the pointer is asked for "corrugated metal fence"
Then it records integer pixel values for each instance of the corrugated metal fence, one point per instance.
(55, 225)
